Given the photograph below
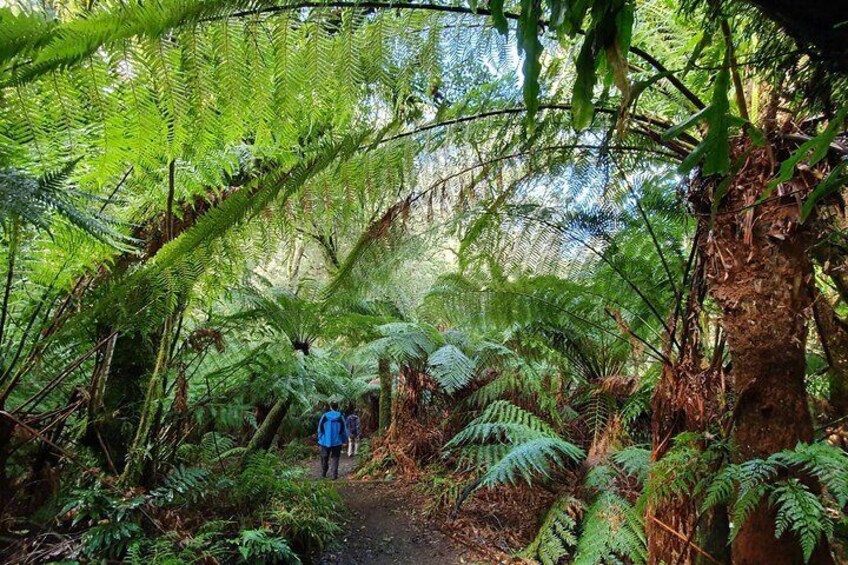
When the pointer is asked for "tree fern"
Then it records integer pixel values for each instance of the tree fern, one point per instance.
(533, 447)
(612, 531)
(558, 535)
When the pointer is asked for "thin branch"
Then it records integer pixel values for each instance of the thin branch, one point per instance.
(12, 251)
(734, 70)
(648, 120)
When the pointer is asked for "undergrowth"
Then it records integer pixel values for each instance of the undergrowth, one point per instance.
(216, 505)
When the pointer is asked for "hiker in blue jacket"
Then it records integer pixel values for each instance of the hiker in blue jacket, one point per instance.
(332, 434)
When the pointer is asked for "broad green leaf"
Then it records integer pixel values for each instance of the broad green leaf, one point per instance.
(818, 146)
(582, 109)
(693, 158)
(531, 47)
(675, 130)
(498, 18)
(575, 12)
(624, 27)
(833, 182)
(717, 160)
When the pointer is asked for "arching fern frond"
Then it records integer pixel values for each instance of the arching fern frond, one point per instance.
(533, 448)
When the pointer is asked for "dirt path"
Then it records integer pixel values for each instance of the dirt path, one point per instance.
(382, 527)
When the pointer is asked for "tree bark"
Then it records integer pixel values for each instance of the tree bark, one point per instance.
(267, 431)
(688, 398)
(384, 371)
(761, 278)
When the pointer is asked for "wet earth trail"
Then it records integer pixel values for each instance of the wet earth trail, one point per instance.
(382, 526)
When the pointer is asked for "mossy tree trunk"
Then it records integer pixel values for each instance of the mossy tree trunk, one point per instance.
(264, 436)
(385, 374)
(134, 471)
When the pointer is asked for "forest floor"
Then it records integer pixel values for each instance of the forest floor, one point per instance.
(384, 525)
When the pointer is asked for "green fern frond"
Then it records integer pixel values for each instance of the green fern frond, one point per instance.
(800, 512)
(558, 535)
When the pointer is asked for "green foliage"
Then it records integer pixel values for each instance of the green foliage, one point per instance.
(34, 200)
(261, 546)
(800, 511)
(511, 443)
(684, 469)
(612, 531)
(811, 152)
(558, 535)
(273, 513)
(714, 150)
(341, 153)
(114, 521)
(450, 367)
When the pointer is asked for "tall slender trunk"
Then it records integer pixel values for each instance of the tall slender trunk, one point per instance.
(136, 456)
(688, 398)
(761, 278)
(833, 334)
(264, 436)
(384, 371)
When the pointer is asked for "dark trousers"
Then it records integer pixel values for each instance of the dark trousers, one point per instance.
(330, 458)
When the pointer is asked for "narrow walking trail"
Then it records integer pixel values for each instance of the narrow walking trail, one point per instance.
(383, 526)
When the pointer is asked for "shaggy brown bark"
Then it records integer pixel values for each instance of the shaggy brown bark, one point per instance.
(761, 277)
(687, 398)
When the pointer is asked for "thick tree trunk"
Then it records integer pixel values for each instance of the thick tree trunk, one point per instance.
(384, 371)
(761, 277)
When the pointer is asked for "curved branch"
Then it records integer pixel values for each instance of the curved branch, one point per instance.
(648, 120)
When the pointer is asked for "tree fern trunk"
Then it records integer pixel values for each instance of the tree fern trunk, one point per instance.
(264, 436)
(384, 371)
(762, 280)
(134, 470)
(687, 399)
